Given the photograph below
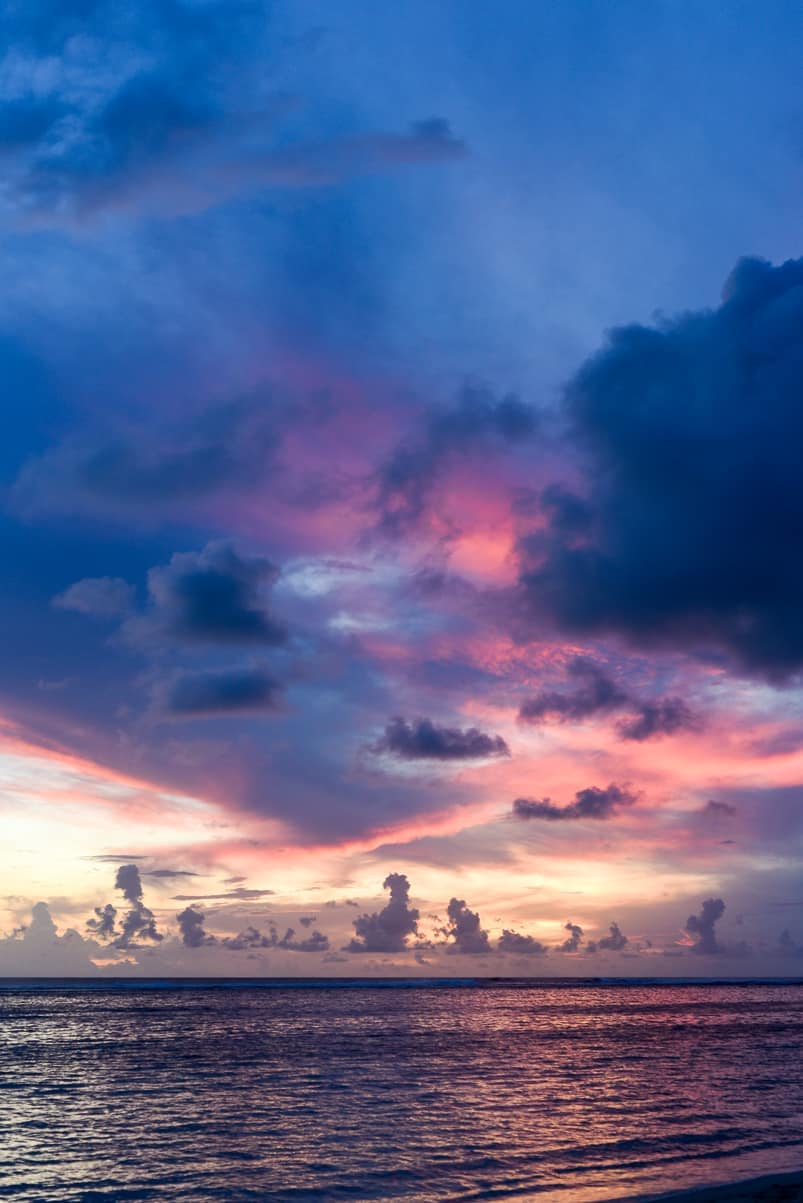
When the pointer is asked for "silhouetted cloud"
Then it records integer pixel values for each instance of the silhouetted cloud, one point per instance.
(695, 495)
(596, 692)
(518, 945)
(615, 942)
(476, 422)
(216, 595)
(103, 925)
(252, 938)
(191, 926)
(703, 927)
(214, 693)
(590, 803)
(424, 740)
(464, 930)
(666, 716)
(240, 893)
(574, 939)
(787, 946)
(138, 923)
(387, 930)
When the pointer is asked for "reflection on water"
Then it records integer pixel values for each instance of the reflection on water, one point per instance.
(570, 1093)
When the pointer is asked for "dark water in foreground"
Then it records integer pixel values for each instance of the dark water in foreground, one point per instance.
(548, 1092)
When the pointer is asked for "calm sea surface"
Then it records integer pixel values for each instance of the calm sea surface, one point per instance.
(548, 1092)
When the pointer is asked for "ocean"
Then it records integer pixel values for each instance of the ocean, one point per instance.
(468, 1091)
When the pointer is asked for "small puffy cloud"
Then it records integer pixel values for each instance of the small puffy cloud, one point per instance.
(463, 930)
(424, 740)
(387, 930)
(102, 597)
(211, 693)
(590, 803)
(216, 595)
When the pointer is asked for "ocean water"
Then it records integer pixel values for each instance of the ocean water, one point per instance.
(472, 1092)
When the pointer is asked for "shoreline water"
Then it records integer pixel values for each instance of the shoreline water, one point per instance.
(768, 1188)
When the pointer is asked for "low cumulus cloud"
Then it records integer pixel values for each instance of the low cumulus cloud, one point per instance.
(520, 945)
(387, 930)
(703, 927)
(594, 691)
(478, 422)
(464, 932)
(137, 923)
(693, 558)
(573, 940)
(422, 739)
(617, 941)
(590, 803)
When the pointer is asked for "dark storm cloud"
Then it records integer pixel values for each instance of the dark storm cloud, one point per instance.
(424, 740)
(463, 930)
(615, 942)
(215, 596)
(703, 926)
(519, 945)
(691, 429)
(714, 809)
(573, 940)
(387, 930)
(590, 803)
(191, 926)
(477, 422)
(596, 692)
(214, 693)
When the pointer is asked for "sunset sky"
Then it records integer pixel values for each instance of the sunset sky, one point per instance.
(401, 505)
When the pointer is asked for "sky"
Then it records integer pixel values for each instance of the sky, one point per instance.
(400, 493)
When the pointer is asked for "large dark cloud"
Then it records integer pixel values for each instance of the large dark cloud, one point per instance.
(475, 423)
(212, 693)
(703, 926)
(590, 803)
(424, 740)
(694, 496)
(463, 931)
(387, 930)
(596, 692)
